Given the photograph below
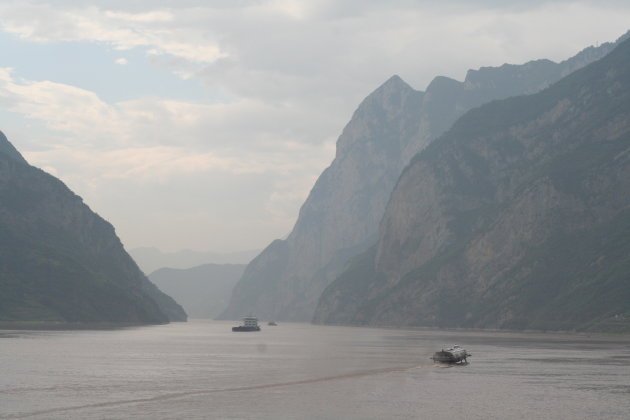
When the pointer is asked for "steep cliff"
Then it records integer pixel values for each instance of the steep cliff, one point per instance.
(340, 217)
(517, 217)
(59, 261)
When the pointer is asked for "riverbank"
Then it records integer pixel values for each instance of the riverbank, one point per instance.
(70, 326)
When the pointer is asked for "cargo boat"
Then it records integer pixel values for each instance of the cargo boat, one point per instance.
(250, 323)
(454, 354)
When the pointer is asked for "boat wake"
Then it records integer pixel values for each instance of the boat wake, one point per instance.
(175, 395)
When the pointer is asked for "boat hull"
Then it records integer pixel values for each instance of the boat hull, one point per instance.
(455, 355)
(246, 329)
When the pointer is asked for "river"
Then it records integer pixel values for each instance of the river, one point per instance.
(202, 370)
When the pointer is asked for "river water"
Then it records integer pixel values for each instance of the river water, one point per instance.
(202, 370)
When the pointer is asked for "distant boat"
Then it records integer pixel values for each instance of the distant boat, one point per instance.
(250, 323)
(272, 323)
(454, 354)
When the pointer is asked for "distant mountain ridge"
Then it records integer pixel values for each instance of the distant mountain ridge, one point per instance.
(517, 217)
(150, 259)
(204, 291)
(61, 262)
(340, 218)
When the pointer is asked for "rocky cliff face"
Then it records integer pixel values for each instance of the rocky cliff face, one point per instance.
(517, 217)
(341, 215)
(59, 261)
(286, 279)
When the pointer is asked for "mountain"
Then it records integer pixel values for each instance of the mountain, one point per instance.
(8, 151)
(61, 262)
(518, 217)
(151, 259)
(340, 217)
(203, 291)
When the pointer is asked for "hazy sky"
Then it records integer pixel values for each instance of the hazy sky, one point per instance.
(203, 124)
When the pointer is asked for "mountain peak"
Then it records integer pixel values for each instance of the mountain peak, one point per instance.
(394, 83)
(391, 93)
(395, 80)
(7, 148)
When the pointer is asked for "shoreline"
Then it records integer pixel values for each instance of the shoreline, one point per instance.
(625, 332)
(67, 326)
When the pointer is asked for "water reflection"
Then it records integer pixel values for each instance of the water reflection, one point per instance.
(201, 370)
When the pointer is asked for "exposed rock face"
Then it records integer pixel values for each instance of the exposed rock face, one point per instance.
(59, 261)
(517, 217)
(340, 217)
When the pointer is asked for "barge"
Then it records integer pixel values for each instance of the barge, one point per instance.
(250, 323)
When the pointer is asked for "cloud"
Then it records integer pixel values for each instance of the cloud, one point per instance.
(344, 52)
(149, 17)
(284, 77)
(105, 151)
(170, 135)
(62, 107)
(160, 31)
(277, 50)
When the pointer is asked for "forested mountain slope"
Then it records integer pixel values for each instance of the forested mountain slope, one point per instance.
(59, 261)
(518, 217)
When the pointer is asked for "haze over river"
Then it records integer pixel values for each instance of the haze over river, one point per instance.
(202, 370)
